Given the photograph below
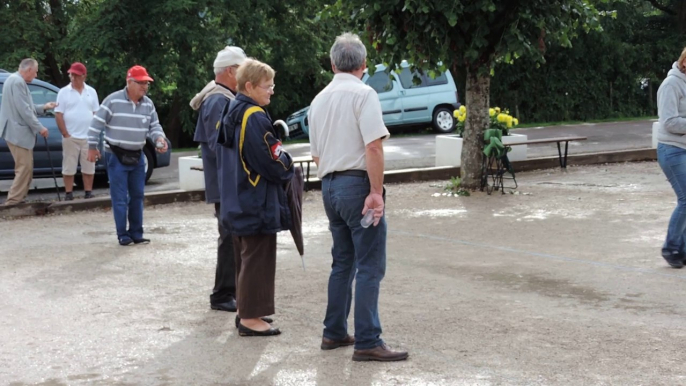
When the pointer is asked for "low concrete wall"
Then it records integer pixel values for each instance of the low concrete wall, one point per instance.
(392, 176)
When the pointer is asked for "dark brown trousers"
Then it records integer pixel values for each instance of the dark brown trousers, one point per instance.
(255, 273)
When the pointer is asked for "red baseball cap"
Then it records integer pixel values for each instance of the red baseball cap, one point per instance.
(77, 68)
(138, 73)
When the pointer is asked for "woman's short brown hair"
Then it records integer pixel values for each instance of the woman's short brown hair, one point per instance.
(680, 62)
(253, 71)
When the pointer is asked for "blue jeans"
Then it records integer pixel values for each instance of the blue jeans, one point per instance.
(127, 191)
(672, 160)
(359, 254)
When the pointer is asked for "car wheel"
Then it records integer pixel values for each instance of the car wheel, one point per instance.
(149, 163)
(443, 121)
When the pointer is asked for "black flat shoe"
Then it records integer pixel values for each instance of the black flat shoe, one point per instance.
(245, 331)
(229, 306)
(264, 318)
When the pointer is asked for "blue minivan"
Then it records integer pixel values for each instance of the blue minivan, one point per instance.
(407, 98)
(43, 92)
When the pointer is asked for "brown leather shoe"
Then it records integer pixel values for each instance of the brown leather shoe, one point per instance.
(381, 353)
(330, 344)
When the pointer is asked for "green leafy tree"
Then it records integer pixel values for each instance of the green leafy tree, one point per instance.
(469, 34)
(177, 41)
(38, 29)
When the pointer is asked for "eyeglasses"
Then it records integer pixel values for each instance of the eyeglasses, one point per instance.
(142, 82)
(268, 88)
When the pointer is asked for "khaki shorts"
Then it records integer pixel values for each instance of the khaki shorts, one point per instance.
(73, 151)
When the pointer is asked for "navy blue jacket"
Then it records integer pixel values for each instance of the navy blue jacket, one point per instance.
(206, 134)
(253, 171)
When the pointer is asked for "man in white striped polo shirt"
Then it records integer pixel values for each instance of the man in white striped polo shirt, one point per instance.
(127, 116)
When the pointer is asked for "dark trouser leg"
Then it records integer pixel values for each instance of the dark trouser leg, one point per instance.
(256, 267)
(119, 193)
(358, 253)
(136, 199)
(342, 271)
(672, 160)
(225, 275)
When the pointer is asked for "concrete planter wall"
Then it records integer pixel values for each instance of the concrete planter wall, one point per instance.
(449, 149)
(191, 179)
(656, 127)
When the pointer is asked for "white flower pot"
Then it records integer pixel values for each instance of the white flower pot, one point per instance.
(191, 179)
(449, 149)
(656, 127)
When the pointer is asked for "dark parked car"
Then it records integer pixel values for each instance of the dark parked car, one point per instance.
(43, 92)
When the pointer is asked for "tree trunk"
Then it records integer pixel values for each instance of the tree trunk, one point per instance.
(172, 125)
(477, 91)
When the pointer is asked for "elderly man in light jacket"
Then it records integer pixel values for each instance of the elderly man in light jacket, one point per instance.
(210, 102)
(19, 125)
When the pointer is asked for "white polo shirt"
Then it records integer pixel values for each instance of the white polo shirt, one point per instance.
(344, 118)
(78, 109)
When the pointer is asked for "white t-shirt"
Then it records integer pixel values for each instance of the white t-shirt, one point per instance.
(78, 109)
(344, 118)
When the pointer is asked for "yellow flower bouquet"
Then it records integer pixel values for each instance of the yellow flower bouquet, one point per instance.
(499, 119)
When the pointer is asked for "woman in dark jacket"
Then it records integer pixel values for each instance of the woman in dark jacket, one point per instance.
(254, 168)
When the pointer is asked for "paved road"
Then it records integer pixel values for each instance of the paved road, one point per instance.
(419, 151)
(562, 284)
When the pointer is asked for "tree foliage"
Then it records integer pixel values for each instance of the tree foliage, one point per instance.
(605, 74)
(176, 40)
(473, 35)
(523, 45)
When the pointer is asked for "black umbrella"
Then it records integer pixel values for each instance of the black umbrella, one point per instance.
(294, 191)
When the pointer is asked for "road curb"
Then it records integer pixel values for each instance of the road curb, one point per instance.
(391, 176)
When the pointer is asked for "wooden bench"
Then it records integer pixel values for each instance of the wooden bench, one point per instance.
(296, 160)
(306, 170)
(496, 169)
(558, 140)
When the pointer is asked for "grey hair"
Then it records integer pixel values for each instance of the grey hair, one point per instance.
(219, 70)
(348, 53)
(28, 64)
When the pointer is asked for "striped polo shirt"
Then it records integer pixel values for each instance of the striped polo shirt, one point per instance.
(126, 124)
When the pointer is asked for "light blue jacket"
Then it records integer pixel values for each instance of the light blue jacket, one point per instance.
(671, 108)
(18, 121)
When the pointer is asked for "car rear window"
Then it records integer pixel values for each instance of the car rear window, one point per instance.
(415, 79)
(380, 82)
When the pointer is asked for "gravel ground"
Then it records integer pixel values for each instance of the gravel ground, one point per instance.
(559, 284)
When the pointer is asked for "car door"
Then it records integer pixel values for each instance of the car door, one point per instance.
(389, 91)
(416, 97)
(41, 161)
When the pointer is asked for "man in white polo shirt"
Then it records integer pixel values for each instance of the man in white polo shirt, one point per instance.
(346, 139)
(76, 104)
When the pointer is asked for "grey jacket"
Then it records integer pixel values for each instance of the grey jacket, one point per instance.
(671, 108)
(18, 121)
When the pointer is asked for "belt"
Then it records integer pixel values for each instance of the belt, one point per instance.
(350, 173)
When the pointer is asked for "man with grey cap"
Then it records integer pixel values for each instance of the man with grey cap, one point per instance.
(210, 102)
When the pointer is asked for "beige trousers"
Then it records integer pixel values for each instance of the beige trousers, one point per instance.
(23, 174)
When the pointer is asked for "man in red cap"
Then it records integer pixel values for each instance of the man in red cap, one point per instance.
(76, 104)
(127, 117)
